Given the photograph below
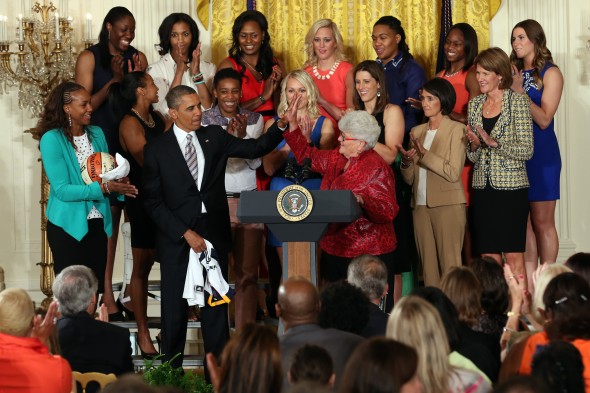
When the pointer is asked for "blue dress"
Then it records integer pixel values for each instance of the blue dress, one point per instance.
(544, 167)
(279, 181)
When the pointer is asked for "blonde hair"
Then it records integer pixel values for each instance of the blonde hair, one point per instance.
(416, 323)
(313, 109)
(312, 58)
(16, 312)
(548, 273)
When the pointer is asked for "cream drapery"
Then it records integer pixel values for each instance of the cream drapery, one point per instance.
(289, 21)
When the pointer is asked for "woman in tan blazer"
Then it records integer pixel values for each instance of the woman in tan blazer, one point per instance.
(432, 166)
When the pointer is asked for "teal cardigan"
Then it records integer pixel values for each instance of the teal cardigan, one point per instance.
(70, 200)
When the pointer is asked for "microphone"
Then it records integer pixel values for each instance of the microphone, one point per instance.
(306, 170)
(289, 169)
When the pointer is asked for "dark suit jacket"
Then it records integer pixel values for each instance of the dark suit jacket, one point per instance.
(171, 196)
(91, 345)
(377, 322)
(338, 343)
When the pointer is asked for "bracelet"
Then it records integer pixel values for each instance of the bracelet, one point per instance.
(262, 99)
(197, 78)
(507, 329)
(199, 82)
(106, 186)
(512, 314)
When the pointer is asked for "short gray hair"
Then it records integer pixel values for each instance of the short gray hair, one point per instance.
(73, 288)
(368, 273)
(361, 125)
(175, 95)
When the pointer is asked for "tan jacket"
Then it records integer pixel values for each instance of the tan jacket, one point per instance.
(504, 168)
(444, 162)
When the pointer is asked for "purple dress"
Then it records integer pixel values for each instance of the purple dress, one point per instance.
(544, 167)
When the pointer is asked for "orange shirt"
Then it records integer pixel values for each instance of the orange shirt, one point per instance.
(26, 366)
(541, 339)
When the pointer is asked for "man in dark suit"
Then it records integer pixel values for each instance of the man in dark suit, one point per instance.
(188, 203)
(298, 308)
(86, 343)
(369, 273)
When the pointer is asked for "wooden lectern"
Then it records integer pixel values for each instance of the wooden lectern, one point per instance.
(299, 257)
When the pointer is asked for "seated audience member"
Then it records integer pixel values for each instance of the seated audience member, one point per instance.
(25, 362)
(89, 345)
(522, 384)
(547, 273)
(298, 309)
(580, 263)
(240, 175)
(416, 323)
(344, 307)
(382, 365)
(132, 383)
(560, 366)
(309, 387)
(369, 273)
(312, 363)
(494, 296)
(250, 362)
(567, 315)
(467, 349)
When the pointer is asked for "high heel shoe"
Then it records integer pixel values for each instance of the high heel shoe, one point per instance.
(148, 356)
(130, 315)
(116, 316)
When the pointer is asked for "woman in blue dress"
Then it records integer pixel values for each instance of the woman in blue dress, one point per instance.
(281, 163)
(537, 76)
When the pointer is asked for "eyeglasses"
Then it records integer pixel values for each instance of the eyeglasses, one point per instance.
(343, 138)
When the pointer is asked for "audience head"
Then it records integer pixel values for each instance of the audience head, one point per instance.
(389, 38)
(580, 264)
(567, 308)
(298, 302)
(463, 39)
(75, 289)
(382, 365)
(559, 364)
(299, 82)
(368, 273)
(359, 128)
(446, 310)
(252, 24)
(416, 323)
(549, 272)
(250, 362)
(133, 87)
(309, 387)
(174, 27)
(312, 363)
(496, 60)
(464, 289)
(323, 34)
(130, 383)
(344, 307)
(495, 295)
(369, 76)
(16, 312)
(444, 91)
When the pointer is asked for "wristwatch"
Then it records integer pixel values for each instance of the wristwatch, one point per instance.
(262, 99)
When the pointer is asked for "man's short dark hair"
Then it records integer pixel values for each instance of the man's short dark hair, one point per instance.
(311, 363)
(175, 95)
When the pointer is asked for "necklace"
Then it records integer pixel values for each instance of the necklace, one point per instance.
(447, 75)
(150, 122)
(315, 72)
(491, 107)
(257, 74)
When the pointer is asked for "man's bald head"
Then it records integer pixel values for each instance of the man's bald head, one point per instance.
(299, 302)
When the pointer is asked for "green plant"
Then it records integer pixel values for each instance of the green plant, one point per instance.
(166, 375)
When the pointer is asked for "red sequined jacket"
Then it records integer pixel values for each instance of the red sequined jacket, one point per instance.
(367, 175)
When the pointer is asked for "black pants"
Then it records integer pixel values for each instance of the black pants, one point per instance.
(91, 251)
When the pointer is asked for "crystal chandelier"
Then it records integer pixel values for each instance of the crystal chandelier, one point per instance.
(44, 56)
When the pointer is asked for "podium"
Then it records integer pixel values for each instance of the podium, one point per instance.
(299, 257)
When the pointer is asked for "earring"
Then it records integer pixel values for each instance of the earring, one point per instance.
(378, 93)
(69, 120)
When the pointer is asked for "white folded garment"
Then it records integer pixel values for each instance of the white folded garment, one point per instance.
(121, 171)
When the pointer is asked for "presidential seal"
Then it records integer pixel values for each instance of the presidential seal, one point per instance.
(294, 203)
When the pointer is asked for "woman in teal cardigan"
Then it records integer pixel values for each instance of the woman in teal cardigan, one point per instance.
(78, 215)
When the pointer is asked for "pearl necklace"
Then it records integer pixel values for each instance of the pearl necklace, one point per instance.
(447, 75)
(315, 72)
(150, 123)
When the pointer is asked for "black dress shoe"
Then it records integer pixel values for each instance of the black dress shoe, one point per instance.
(130, 315)
(117, 317)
